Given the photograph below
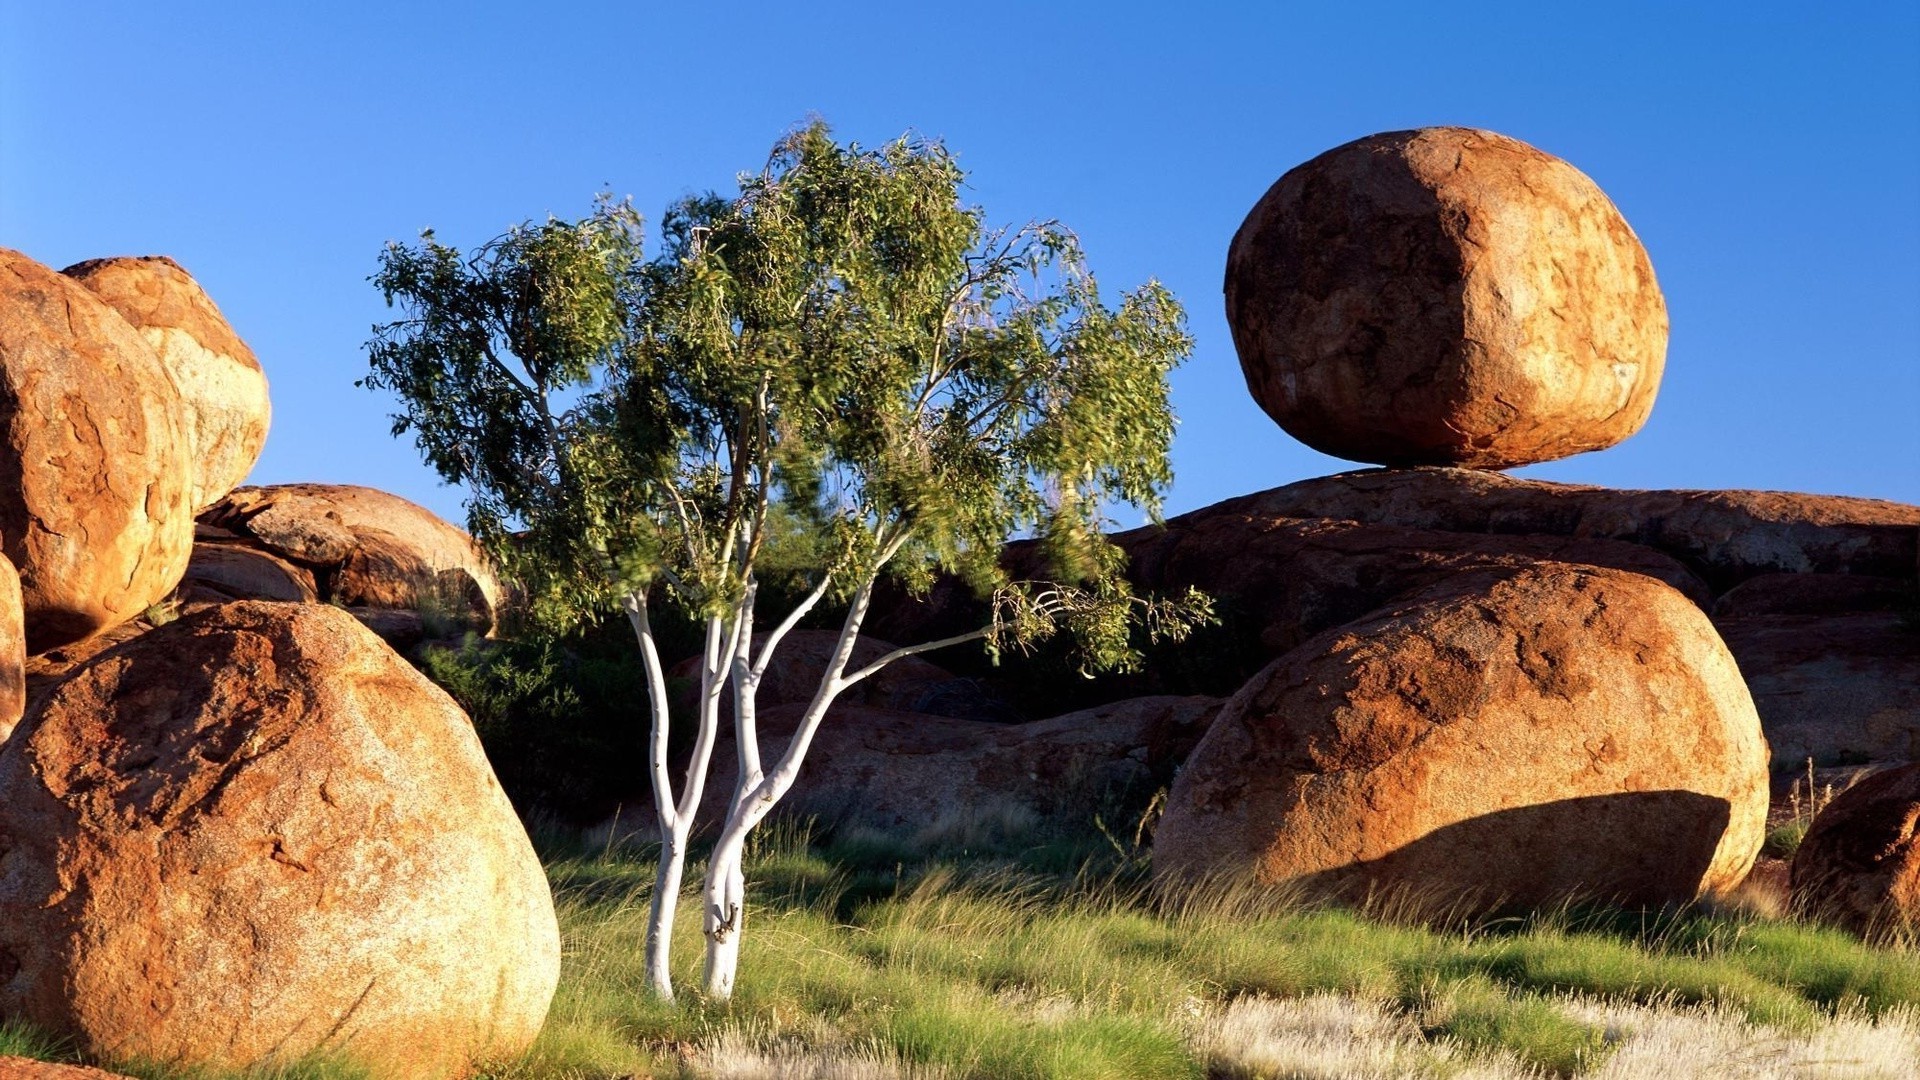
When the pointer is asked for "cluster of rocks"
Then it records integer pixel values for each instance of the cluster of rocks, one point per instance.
(236, 826)
(1470, 689)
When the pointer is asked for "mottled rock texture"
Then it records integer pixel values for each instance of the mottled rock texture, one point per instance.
(1445, 296)
(1503, 738)
(1838, 688)
(1859, 864)
(224, 391)
(18, 1068)
(95, 474)
(367, 548)
(257, 832)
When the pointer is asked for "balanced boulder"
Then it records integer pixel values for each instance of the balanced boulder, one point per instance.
(1859, 864)
(257, 832)
(1445, 296)
(224, 391)
(1503, 738)
(95, 492)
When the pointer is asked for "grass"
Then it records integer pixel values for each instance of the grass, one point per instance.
(986, 953)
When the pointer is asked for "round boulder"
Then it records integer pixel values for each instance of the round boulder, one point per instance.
(223, 388)
(95, 475)
(1859, 865)
(1445, 296)
(1500, 739)
(254, 833)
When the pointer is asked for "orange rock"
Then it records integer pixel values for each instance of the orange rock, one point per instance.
(95, 508)
(1859, 864)
(1445, 296)
(372, 549)
(257, 832)
(13, 651)
(220, 381)
(1502, 738)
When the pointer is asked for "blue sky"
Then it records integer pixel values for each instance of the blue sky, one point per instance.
(1767, 154)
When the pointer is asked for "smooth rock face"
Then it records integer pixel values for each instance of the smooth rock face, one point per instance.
(256, 832)
(367, 548)
(1445, 296)
(220, 381)
(95, 474)
(13, 651)
(1502, 738)
(1837, 688)
(904, 772)
(1859, 864)
(244, 573)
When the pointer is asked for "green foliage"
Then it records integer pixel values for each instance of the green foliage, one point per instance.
(564, 723)
(1784, 839)
(842, 360)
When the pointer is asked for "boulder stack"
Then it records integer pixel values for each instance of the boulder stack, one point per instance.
(96, 473)
(1445, 296)
(254, 833)
(1502, 738)
(221, 385)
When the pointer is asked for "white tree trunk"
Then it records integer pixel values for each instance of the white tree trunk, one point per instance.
(676, 820)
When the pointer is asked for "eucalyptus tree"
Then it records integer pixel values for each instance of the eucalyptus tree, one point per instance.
(842, 348)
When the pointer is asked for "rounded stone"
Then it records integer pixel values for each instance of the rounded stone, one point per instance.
(1859, 865)
(1500, 739)
(1445, 296)
(220, 381)
(257, 832)
(95, 472)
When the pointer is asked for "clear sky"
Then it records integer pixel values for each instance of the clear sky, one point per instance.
(1767, 154)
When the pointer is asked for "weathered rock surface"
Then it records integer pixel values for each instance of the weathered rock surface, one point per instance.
(911, 684)
(221, 385)
(1859, 864)
(95, 474)
(19, 1068)
(367, 548)
(1837, 688)
(1445, 296)
(1478, 743)
(1724, 536)
(1813, 594)
(236, 572)
(13, 651)
(904, 772)
(256, 832)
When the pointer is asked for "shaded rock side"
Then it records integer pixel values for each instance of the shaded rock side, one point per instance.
(1445, 296)
(1837, 688)
(225, 392)
(367, 548)
(906, 772)
(95, 471)
(257, 832)
(1724, 536)
(1499, 739)
(1859, 864)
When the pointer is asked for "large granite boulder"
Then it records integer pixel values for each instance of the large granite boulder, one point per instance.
(221, 385)
(95, 472)
(365, 548)
(256, 832)
(1445, 296)
(904, 772)
(1503, 738)
(1859, 864)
